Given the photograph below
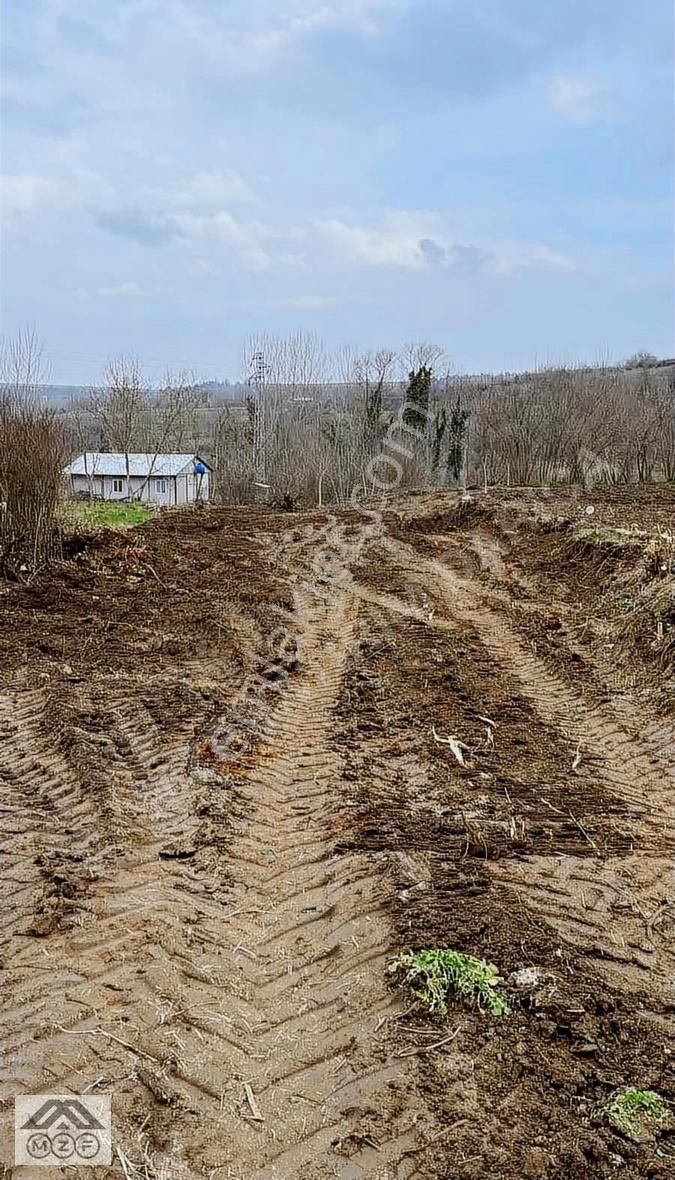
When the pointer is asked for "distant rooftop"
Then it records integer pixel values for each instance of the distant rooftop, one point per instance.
(140, 463)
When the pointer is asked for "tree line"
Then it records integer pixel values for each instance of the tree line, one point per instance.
(315, 428)
(314, 424)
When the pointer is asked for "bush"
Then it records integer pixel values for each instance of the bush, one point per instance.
(32, 455)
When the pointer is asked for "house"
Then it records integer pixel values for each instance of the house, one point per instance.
(153, 479)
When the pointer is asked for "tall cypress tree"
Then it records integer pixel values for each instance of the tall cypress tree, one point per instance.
(456, 440)
(440, 427)
(416, 412)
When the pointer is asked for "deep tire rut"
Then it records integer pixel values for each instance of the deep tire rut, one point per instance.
(205, 990)
(639, 767)
(309, 922)
(633, 763)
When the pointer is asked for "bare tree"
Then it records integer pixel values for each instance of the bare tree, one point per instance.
(83, 429)
(359, 414)
(232, 456)
(32, 455)
(288, 379)
(424, 355)
(664, 422)
(120, 409)
(173, 418)
(640, 360)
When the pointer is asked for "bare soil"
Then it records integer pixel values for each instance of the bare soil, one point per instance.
(227, 803)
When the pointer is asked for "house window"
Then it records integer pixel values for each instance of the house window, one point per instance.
(160, 487)
(118, 485)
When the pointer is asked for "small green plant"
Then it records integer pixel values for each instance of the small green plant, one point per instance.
(632, 1111)
(434, 975)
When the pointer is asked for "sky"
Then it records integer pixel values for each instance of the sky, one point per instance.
(495, 176)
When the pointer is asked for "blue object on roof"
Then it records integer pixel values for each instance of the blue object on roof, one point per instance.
(200, 469)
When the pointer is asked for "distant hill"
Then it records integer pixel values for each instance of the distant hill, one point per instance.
(216, 392)
(212, 391)
(61, 395)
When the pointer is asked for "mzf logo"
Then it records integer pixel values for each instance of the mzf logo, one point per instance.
(62, 1129)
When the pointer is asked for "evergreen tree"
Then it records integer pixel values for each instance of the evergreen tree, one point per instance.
(456, 440)
(416, 411)
(439, 429)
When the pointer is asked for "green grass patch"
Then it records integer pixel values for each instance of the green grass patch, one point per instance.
(434, 976)
(635, 1112)
(106, 514)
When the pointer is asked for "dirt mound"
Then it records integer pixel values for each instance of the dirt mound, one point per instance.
(464, 512)
(166, 591)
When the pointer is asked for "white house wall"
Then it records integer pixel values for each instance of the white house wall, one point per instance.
(184, 488)
(153, 493)
(191, 487)
(135, 487)
(91, 485)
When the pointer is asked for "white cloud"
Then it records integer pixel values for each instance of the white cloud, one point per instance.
(253, 39)
(420, 242)
(203, 268)
(519, 256)
(153, 228)
(358, 15)
(235, 48)
(120, 291)
(245, 236)
(396, 243)
(308, 302)
(21, 195)
(580, 99)
(209, 191)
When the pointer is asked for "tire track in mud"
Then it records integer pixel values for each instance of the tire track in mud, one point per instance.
(178, 993)
(163, 796)
(595, 729)
(52, 818)
(310, 944)
(615, 909)
(619, 909)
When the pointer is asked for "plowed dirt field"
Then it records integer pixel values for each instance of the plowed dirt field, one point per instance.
(228, 801)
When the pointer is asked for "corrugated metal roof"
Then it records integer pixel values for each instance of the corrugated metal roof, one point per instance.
(140, 464)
